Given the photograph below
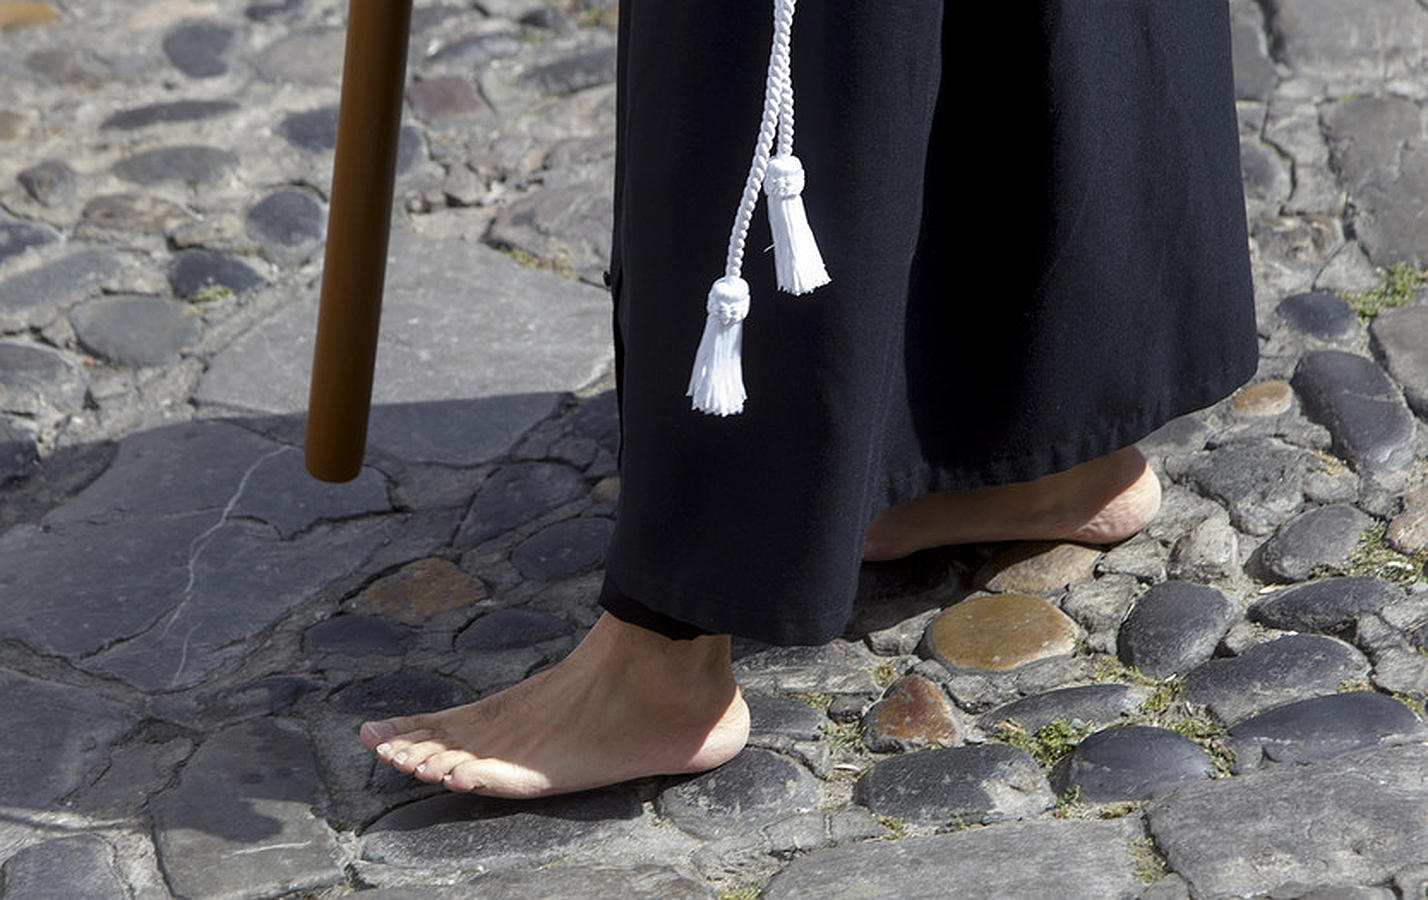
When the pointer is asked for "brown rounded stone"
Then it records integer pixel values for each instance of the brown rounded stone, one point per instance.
(445, 98)
(1267, 398)
(607, 490)
(914, 713)
(420, 590)
(1000, 632)
(1408, 531)
(21, 14)
(1038, 567)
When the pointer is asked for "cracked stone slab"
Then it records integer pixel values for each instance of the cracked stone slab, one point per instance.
(34, 378)
(80, 867)
(1334, 48)
(1355, 820)
(241, 823)
(1019, 859)
(1400, 341)
(1378, 148)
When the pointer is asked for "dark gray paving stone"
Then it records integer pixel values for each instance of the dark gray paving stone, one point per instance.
(1133, 763)
(1310, 541)
(80, 867)
(515, 495)
(34, 378)
(165, 113)
(18, 450)
(194, 270)
(838, 667)
(1259, 481)
(1327, 605)
(282, 494)
(753, 789)
(784, 715)
(463, 831)
(134, 330)
(564, 549)
(1185, 434)
(316, 132)
(240, 821)
(400, 694)
(1255, 75)
(1321, 315)
(289, 225)
(642, 883)
(1352, 397)
(189, 164)
(1174, 626)
(1267, 675)
(109, 215)
(573, 72)
(306, 57)
(267, 696)
(454, 432)
(201, 49)
(598, 418)
(1354, 820)
(1400, 341)
(67, 732)
(49, 183)
(506, 629)
(278, 11)
(1017, 859)
(478, 49)
(964, 785)
(1323, 727)
(1100, 704)
(17, 236)
(31, 298)
(1377, 149)
(356, 635)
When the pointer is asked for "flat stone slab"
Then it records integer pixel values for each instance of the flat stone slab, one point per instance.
(356, 636)
(188, 164)
(1323, 727)
(1376, 145)
(784, 715)
(164, 113)
(640, 883)
(1320, 315)
(1260, 482)
(1099, 704)
(1042, 568)
(999, 632)
(35, 378)
(75, 868)
(463, 831)
(137, 330)
(1017, 859)
(1312, 540)
(838, 667)
(515, 495)
(1355, 820)
(1363, 410)
(564, 549)
(400, 694)
(1267, 675)
(963, 785)
(1174, 626)
(1327, 605)
(34, 297)
(1400, 342)
(241, 823)
(1133, 763)
(507, 629)
(419, 590)
(753, 789)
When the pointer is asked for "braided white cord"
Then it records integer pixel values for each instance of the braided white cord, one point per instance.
(783, 49)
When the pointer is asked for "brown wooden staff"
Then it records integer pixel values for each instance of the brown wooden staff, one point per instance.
(358, 225)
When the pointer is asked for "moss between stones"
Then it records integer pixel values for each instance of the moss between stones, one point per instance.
(1400, 282)
(1150, 863)
(1051, 743)
(746, 892)
(1374, 558)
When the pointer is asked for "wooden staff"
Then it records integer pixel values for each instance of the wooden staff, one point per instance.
(358, 226)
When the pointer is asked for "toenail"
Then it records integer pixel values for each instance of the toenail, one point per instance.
(400, 758)
(421, 768)
(381, 730)
(384, 750)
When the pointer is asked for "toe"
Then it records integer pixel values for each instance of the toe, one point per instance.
(409, 757)
(388, 750)
(437, 766)
(373, 733)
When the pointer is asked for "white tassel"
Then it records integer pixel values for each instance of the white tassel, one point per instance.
(796, 258)
(717, 382)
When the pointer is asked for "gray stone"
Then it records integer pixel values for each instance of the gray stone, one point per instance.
(289, 224)
(1323, 727)
(49, 183)
(1265, 173)
(1175, 626)
(463, 831)
(753, 789)
(120, 215)
(316, 131)
(564, 549)
(34, 378)
(279, 11)
(282, 494)
(67, 732)
(17, 236)
(569, 226)
(1320, 315)
(784, 715)
(1259, 481)
(189, 164)
(134, 330)
(964, 785)
(838, 667)
(18, 450)
(1354, 820)
(506, 629)
(1402, 671)
(1100, 704)
(1207, 552)
(573, 72)
(1327, 605)
(1018, 859)
(194, 270)
(1100, 605)
(200, 49)
(642, 883)
(165, 113)
(1185, 434)
(1142, 556)
(1133, 763)
(75, 868)
(1255, 76)
(1360, 406)
(1400, 342)
(400, 694)
(1311, 541)
(1267, 675)
(439, 99)
(240, 822)
(478, 49)
(309, 57)
(356, 635)
(515, 495)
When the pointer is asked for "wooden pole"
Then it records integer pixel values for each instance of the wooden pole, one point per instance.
(358, 226)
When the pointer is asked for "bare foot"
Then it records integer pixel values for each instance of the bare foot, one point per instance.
(626, 703)
(1098, 502)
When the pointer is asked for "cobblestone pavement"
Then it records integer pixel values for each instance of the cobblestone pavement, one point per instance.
(1230, 704)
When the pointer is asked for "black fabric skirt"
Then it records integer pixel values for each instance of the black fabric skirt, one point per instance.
(1036, 260)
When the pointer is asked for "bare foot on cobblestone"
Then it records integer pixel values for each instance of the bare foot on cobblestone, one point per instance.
(1098, 502)
(626, 703)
